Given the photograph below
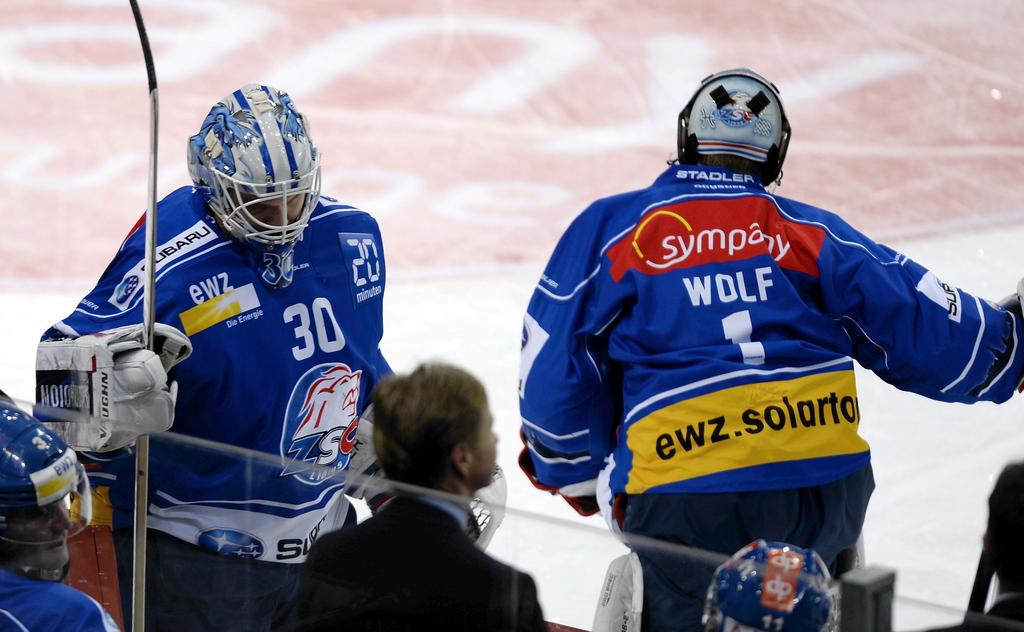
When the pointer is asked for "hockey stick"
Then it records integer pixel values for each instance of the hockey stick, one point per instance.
(982, 582)
(148, 321)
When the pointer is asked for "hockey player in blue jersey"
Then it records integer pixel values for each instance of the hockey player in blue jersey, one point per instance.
(688, 353)
(269, 310)
(44, 499)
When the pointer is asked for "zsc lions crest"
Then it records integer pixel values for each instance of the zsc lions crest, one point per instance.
(736, 114)
(320, 423)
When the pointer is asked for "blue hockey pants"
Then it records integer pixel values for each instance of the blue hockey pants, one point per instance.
(827, 518)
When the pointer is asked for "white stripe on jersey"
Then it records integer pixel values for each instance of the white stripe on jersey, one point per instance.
(12, 618)
(728, 376)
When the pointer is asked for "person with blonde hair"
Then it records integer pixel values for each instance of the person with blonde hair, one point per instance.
(412, 565)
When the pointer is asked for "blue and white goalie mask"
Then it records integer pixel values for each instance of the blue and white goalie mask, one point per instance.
(736, 112)
(254, 158)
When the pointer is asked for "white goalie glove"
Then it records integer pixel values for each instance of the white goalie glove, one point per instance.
(120, 386)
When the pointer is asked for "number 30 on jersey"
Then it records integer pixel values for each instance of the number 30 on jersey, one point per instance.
(315, 328)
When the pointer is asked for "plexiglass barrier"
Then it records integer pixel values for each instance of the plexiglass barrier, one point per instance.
(231, 532)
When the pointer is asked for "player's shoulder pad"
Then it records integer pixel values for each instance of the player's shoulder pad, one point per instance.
(330, 210)
(177, 211)
(93, 616)
(79, 611)
(185, 235)
(837, 230)
(580, 250)
(184, 227)
(605, 218)
(802, 211)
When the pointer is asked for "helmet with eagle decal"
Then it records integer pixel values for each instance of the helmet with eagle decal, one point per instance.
(254, 158)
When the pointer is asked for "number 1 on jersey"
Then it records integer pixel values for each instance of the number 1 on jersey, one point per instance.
(738, 329)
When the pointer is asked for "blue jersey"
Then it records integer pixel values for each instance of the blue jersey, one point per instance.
(284, 371)
(31, 605)
(700, 335)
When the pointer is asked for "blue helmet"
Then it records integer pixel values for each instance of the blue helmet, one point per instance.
(771, 586)
(255, 160)
(736, 112)
(44, 492)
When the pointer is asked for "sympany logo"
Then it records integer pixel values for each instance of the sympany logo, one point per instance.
(679, 241)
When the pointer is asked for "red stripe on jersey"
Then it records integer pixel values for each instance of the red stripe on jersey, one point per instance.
(139, 224)
(696, 232)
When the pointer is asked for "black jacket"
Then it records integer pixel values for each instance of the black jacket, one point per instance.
(411, 567)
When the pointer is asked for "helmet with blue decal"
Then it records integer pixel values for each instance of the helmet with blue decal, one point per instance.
(771, 586)
(254, 158)
(44, 496)
(739, 113)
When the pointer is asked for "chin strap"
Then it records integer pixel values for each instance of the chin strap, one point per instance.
(44, 574)
(278, 268)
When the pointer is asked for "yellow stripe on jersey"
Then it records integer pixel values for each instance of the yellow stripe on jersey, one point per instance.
(102, 508)
(754, 424)
(219, 308)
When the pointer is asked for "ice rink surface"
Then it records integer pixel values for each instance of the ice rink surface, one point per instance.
(475, 131)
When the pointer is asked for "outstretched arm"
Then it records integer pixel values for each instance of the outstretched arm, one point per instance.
(915, 330)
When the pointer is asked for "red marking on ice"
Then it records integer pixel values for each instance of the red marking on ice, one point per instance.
(460, 186)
